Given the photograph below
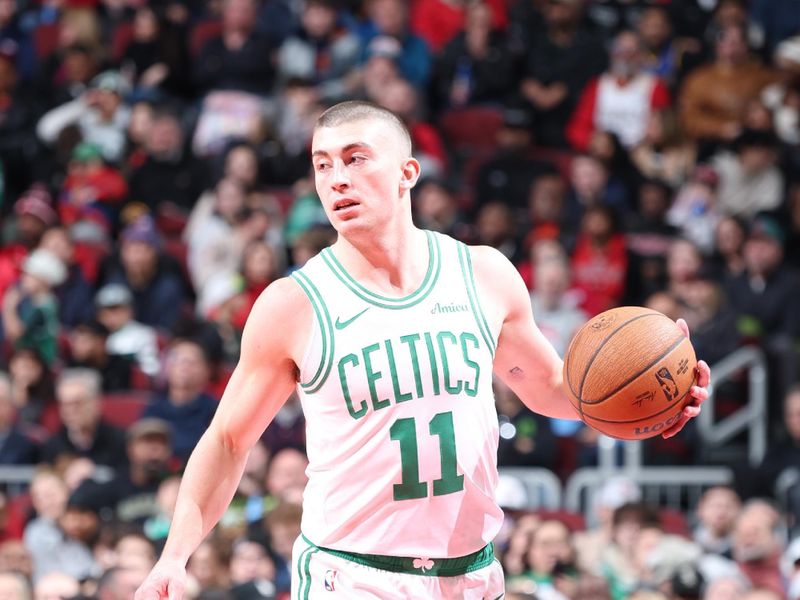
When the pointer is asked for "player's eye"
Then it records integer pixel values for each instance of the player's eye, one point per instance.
(322, 167)
(357, 159)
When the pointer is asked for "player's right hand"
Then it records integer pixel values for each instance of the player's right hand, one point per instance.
(167, 581)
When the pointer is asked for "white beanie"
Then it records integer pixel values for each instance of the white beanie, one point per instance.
(46, 266)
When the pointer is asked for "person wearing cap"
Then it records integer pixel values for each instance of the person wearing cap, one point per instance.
(34, 213)
(100, 115)
(84, 432)
(158, 292)
(127, 336)
(130, 495)
(750, 180)
(764, 296)
(30, 309)
(88, 350)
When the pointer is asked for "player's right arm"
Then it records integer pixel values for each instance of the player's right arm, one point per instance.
(272, 343)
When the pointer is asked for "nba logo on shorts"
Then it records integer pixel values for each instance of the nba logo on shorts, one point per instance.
(330, 580)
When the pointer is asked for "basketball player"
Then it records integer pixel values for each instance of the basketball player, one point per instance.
(391, 337)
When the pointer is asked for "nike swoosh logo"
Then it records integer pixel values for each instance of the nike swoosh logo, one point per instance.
(342, 324)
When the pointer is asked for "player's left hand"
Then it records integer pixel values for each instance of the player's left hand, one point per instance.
(699, 392)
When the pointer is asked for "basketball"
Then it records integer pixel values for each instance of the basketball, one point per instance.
(628, 372)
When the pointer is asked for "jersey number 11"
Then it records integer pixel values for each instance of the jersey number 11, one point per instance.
(405, 432)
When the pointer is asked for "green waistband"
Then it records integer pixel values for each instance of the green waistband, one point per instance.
(431, 567)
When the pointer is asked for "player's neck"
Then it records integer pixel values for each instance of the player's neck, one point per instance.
(392, 263)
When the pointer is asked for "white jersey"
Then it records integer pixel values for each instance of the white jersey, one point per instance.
(400, 417)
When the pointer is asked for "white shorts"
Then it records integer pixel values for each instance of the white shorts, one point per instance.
(321, 574)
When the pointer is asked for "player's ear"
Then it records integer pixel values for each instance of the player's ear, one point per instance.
(410, 174)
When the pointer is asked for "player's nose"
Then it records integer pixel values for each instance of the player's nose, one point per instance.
(340, 177)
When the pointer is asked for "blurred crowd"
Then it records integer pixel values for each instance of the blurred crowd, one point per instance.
(155, 178)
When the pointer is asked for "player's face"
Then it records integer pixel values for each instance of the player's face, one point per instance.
(359, 171)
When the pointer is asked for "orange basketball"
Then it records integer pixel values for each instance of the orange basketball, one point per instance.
(628, 372)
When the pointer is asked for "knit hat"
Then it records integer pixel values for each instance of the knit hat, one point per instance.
(46, 266)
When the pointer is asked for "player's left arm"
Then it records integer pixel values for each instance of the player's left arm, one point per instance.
(524, 359)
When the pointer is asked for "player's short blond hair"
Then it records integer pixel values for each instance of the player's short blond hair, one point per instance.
(358, 110)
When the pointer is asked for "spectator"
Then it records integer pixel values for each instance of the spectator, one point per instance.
(757, 546)
(155, 57)
(782, 97)
(476, 66)
(119, 584)
(88, 350)
(559, 64)
(235, 60)
(33, 213)
(729, 239)
(749, 178)
(726, 588)
(75, 293)
(496, 226)
(14, 585)
(65, 547)
(648, 238)
(619, 559)
(554, 310)
(206, 567)
(286, 477)
(164, 175)
(92, 189)
(388, 26)
(185, 404)
(287, 429)
(32, 390)
(49, 497)
(546, 216)
(782, 453)
(157, 526)
(322, 52)
(130, 495)
(56, 586)
(158, 292)
(762, 297)
(591, 184)
(713, 321)
(30, 310)
(100, 114)
(684, 262)
(696, 210)
(508, 174)
(663, 153)
(621, 100)
(404, 100)
(717, 512)
(127, 337)
(283, 526)
(666, 55)
(526, 439)
(599, 261)
(713, 97)
(550, 557)
(18, 114)
(251, 567)
(437, 208)
(439, 21)
(84, 432)
(16, 448)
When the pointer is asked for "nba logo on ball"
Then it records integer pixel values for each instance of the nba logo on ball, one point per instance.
(330, 580)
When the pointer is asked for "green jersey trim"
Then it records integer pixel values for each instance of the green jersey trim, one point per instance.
(428, 567)
(326, 328)
(417, 296)
(472, 293)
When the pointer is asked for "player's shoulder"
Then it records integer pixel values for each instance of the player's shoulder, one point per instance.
(489, 262)
(283, 300)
